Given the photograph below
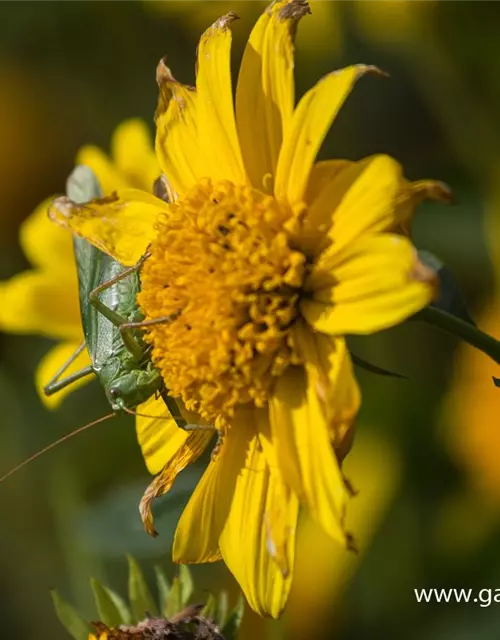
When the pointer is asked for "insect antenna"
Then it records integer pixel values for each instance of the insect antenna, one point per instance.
(181, 423)
(54, 444)
(145, 415)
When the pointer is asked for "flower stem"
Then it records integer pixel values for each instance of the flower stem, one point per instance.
(464, 330)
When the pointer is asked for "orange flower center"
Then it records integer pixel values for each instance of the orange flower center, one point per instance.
(223, 271)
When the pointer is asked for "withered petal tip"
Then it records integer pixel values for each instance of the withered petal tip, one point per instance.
(294, 10)
(226, 20)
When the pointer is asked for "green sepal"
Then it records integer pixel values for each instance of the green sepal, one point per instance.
(222, 609)
(163, 586)
(232, 625)
(186, 585)
(112, 609)
(450, 313)
(450, 297)
(174, 603)
(141, 600)
(69, 617)
(210, 609)
(373, 368)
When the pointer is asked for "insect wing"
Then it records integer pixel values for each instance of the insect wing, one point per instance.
(94, 269)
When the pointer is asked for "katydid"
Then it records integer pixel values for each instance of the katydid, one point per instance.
(111, 321)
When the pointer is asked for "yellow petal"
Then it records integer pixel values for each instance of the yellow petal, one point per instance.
(197, 535)
(411, 194)
(52, 362)
(42, 303)
(217, 124)
(328, 361)
(320, 178)
(110, 179)
(324, 570)
(301, 439)
(133, 154)
(178, 149)
(258, 539)
(310, 123)
(277, 527)
(44, 244)
(159, 437)
(378, 283)
(121, 225)
(265, 91)
(360, 199)
(189, 451)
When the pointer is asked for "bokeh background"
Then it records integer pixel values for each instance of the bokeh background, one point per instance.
(427, 458)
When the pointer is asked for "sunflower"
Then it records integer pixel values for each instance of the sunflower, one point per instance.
(260, 264)
(44, 300)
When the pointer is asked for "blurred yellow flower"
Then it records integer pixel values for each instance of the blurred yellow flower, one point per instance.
(392, 21)
(473, 407)
(473, 403)
(44, 300)
(256, 271)
(324, 569)
(320, 36)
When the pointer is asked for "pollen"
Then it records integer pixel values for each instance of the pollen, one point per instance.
(224, 274)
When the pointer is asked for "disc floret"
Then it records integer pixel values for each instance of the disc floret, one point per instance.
(223, 269)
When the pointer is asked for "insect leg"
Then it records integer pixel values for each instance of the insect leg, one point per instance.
(173, 408)
(127, 328)
(198, 427)
(54, 384)
(118, 320)
(54, 387)
(146, 323)
(176, 415)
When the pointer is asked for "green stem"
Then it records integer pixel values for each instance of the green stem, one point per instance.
(464, 330)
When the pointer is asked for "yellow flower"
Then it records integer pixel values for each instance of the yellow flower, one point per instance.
(256, 271)
(393, 22)
(472, 405)
(44, 299)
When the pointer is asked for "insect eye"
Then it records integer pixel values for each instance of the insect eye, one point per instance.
(114, 392)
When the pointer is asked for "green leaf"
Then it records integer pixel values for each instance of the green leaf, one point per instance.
(174, 604)
(233, 622)
(222, 609)
(186, 584)
(111, 608)
(141, 600)
(72, 621)
(163, 589)
(210, 608)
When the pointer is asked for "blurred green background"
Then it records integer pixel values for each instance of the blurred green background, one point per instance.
(426, 458)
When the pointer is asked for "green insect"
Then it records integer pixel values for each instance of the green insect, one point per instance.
(112, 325)
(111, 321)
